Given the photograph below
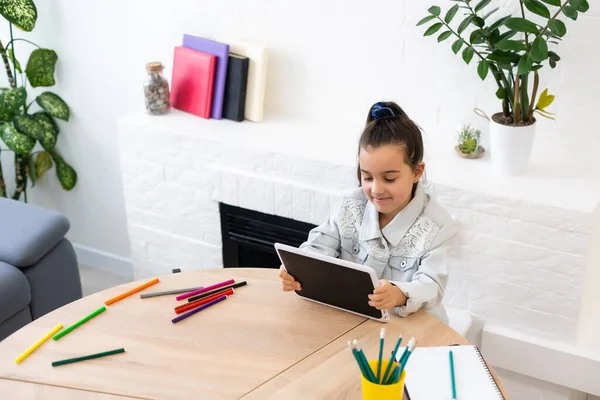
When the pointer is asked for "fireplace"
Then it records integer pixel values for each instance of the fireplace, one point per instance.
(249, 236)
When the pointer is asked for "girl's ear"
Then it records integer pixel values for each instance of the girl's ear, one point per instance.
(419, 169)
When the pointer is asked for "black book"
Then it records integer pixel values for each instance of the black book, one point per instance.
(234, 101)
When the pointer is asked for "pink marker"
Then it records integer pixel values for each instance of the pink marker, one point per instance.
(206, 289)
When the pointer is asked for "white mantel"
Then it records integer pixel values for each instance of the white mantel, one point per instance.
(519, 261)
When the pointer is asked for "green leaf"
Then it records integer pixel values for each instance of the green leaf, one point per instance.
(525, 64)
(16, 62)
(481, 5)
(16, 141)
(486, 16)
(498, 23)
(539, 50)
(426, 20)
(13, 99)
(511, 45)
(500, 93)
(433, 29)
(558, 27)
(479, 22)
(64, 172)
(443, 36)
(504, 57)
(467, 54)
(464, 24)
(451, 13)
(477, 36)
(536, 7)
(40, 67)
(580, 5)
(21, 13)
(482, 69)
(552, 2)
(507, 35)
(456, 46)
(521, 25)
(536, 67)
(43, 162)
(570, 12)
(435, 10)
(553, 58)
(29, 126)
(31, 170)
(47, 121)
(54, 105)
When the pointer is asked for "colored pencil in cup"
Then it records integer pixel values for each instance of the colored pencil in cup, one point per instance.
(411, 346)
(197, 309)
(38, 343)
(168, 292)
(358, 361)
(190, 306)
(361, 354)
(452, 379)
(392, 358)
(215, 291)
(89, 357)
(79, 323)
(206, 289)
(381, 339)
(130, 292)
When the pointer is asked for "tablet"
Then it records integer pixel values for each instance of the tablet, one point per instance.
(333, 282)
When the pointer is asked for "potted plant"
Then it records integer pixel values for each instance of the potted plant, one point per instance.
(511, 50)
(21, 125)
(469, 142)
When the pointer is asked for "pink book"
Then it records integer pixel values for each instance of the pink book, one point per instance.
(193, 80)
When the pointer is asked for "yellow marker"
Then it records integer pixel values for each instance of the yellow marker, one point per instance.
(38, 343)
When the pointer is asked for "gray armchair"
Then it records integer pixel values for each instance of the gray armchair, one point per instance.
(38, 266)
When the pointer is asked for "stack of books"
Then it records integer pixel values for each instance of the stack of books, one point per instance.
(224, 79)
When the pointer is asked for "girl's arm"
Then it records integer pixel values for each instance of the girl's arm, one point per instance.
(324, 239)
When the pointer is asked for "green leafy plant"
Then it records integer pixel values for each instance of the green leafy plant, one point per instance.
(509, 49)
(21, 128)
(468, 139)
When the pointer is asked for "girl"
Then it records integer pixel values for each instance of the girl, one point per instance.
(390, 223)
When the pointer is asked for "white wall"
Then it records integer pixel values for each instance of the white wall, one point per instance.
(329, 62)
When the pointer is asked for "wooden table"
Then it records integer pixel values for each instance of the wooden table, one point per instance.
(259, 343)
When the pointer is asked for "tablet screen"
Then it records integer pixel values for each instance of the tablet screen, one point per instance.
(331, 284)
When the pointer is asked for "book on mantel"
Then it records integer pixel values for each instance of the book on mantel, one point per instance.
(234, 102)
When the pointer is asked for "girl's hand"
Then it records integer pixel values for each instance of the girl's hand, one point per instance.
(288, 283)
(386, 296)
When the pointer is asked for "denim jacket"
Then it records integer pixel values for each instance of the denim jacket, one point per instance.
(410, 251)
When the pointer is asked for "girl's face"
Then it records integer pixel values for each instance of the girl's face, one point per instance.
(387, 180)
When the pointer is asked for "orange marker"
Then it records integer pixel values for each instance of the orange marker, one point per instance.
(132, 291)
(197, 303)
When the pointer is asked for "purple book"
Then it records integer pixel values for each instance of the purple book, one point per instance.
(220, 50)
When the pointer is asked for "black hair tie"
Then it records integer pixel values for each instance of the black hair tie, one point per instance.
(380, 110)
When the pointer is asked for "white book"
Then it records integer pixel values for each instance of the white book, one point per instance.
(428, 374)
(257, 75)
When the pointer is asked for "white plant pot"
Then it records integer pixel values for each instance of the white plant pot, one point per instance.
(510, 147)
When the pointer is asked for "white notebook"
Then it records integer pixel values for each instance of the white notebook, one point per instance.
(428, 374)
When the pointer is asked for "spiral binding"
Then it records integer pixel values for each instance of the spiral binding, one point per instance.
(489, 374)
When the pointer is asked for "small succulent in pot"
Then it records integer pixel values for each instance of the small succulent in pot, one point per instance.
(469, 142)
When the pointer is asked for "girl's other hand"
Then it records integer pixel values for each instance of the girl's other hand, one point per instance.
(288, 283)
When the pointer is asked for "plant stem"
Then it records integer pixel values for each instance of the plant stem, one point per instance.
(516, 105)
(524, 97)
(553, 17)
(523, 14)
(458, 36)
(536, 82)
(21, 175)
(12, 45)
(23, 40)
(11, 80)
(2, 183)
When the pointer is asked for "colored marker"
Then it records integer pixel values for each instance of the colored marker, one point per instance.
(217, 290)
(132, 291)
(190, 306)
(206, 289)
(195, 310)
(90, 357)
(168, 292)
(79, 323)
(38, 343)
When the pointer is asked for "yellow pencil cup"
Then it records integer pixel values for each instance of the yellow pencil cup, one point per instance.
(374, 391)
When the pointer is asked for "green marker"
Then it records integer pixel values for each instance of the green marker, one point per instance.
(77, 324)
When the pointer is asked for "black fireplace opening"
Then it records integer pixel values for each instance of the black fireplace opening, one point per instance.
(249, 236)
